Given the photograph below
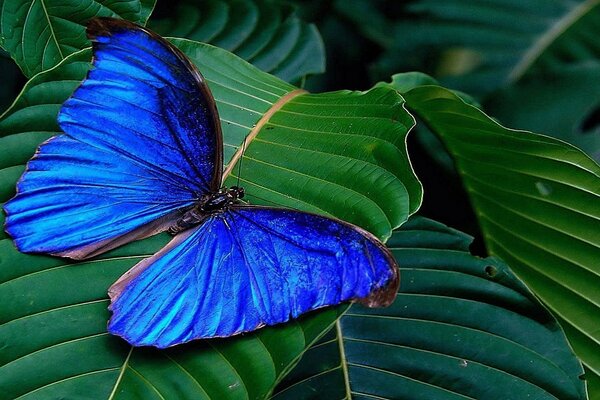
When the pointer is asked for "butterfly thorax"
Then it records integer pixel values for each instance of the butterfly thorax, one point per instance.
(210, 203)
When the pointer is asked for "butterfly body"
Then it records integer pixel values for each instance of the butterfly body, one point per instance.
(141, 154)
(209, 204)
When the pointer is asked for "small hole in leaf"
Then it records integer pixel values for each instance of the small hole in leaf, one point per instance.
(591, 122)
(491, 271)
(582, 377)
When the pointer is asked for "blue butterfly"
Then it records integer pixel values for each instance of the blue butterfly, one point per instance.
(141, 154)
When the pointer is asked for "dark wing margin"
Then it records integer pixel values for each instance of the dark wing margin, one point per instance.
(246, 268)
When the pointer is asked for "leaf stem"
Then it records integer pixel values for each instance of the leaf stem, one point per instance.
(121, 373)
(546, 40)
(343, 361)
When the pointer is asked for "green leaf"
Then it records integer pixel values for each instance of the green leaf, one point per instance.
(488, 44)
(537, 201)
(427, 139)
(267, 34)
(341, 153)
(563, 104)
(462, 327)
(39, 34)
(55, 344)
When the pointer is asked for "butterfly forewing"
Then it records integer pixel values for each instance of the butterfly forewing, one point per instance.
(142, 141)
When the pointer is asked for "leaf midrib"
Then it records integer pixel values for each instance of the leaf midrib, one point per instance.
(55, 37)
(548, 38)
(343, 360)
(344, 363)
(121, 373)
(283, 100)
(52, 32)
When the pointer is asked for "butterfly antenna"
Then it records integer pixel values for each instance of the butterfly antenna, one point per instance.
(253, 195)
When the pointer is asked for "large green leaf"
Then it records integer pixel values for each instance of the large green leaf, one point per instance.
(485, 44)
(266, 33)
(537, 201)
(462, 327)
(337, 153)
(563, 104)
(548, 65)
(39, 34)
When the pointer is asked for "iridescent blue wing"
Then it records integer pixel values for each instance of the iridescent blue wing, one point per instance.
(142, 140)
(246, 268)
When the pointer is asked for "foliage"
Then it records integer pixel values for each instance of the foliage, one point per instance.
(536, 199)
(461, 327)
(496, 47)
(267, 34)
(39, 34)
(547, 64)
(344, 154)
(337, 177)
(563, 105)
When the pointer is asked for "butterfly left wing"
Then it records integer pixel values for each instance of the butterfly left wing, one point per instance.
(246, 268)
(142, 141)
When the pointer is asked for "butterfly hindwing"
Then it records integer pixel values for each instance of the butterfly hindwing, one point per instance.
(245, 268)
(142, 140)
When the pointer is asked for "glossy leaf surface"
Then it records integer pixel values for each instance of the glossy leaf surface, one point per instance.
(339, 153)
(462, 327)
(39, 34)
(538, 203)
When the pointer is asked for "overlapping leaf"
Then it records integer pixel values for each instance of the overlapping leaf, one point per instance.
(39, 34)
(462, 327)
(339, 153)
(268, 34)
(563, 104)
(538, 203)
(494, 42)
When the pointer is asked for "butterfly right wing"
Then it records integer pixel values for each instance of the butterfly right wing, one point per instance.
(246, 268)
(142, 141)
